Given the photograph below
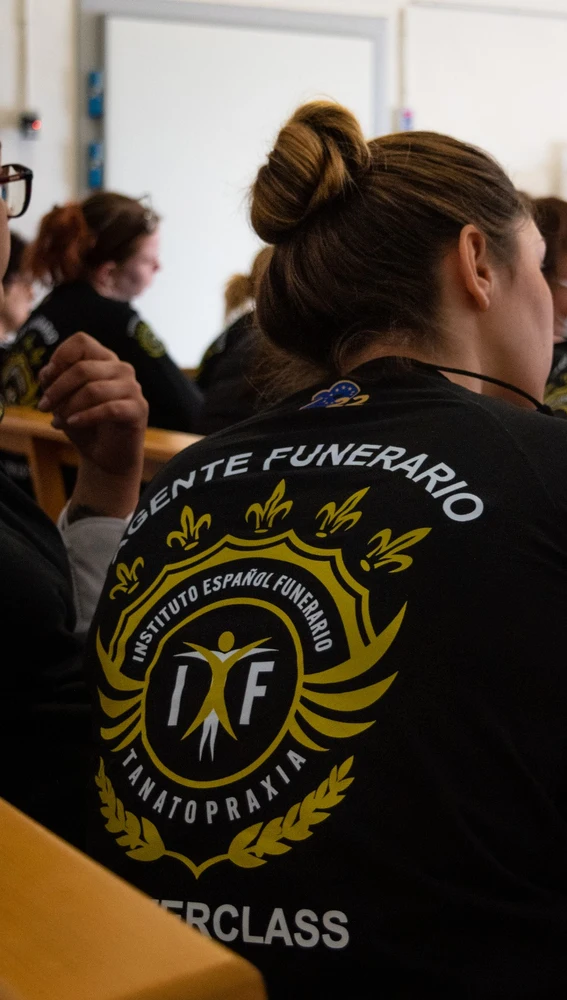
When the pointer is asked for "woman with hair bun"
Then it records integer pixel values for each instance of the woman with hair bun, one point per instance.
(97, 256)
(333, 710)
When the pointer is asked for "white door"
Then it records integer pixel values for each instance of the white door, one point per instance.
(191, 111)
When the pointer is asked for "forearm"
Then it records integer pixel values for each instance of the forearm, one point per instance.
(92, 526)
(96, 400)
(91, 544)
(103, 494)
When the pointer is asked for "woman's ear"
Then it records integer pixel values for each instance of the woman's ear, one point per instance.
(104, 275)
(476, 270)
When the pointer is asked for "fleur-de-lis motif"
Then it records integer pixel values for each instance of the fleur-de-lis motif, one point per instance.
(127, 578)
(274, 507)
(188, 537)
(389, 551)
(344, 517)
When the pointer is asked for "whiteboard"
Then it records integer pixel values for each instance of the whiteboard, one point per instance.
(191, 112)
(496, 80)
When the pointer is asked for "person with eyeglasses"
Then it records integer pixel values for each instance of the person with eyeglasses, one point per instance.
(52, 575)
(97, 255)
(551, 216)
(18, 292)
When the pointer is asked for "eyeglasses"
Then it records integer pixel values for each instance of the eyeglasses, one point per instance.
(15, 188)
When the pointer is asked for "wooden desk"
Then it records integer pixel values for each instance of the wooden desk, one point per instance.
(70, 930)
(26, 431)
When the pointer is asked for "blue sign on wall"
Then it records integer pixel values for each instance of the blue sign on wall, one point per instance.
(95, 98)
(95, 165)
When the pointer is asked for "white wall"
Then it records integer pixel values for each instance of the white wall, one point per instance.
(52, 93)
(495, 95)
(52, 89)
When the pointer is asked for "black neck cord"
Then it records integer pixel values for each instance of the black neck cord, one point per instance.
(495, 381)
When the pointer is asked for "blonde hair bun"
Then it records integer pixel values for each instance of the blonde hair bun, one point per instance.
(318, 157)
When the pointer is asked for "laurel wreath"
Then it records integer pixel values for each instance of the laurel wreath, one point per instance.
(247, 849)
(141, 837)
(294, 826)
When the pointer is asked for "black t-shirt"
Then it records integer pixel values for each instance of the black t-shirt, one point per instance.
(332, 695)
(174, 400)
(44, 715)
(226, 376)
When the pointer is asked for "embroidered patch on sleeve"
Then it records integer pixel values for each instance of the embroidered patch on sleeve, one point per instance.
(148, 341)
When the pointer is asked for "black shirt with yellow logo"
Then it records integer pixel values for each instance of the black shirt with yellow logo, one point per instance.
(174, 401)
(228, 377)
(331, 693)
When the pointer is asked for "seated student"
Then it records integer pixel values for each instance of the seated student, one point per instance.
(18, 292)
(51, 577)
(98, 255)
(228, 371)
(551, 216)
(14, 311)
(331, 717)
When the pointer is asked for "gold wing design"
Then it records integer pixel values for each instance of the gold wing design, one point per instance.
(116, 707)
(336, 701)
(345, 701)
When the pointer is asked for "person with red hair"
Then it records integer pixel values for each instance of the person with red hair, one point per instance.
(97, 256)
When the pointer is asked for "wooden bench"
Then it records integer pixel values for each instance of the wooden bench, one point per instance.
(70, 930)
(26, 431)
